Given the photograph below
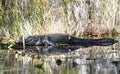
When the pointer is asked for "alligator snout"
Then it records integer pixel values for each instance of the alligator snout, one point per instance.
(26, 40)
(18, 42)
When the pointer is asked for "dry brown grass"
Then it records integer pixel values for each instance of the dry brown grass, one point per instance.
(74, 17)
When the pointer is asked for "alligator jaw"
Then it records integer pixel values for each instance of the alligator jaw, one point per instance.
(21, 41)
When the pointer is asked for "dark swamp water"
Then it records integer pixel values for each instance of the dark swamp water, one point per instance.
(61, 60)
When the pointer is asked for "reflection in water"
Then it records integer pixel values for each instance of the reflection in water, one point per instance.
(62, 60)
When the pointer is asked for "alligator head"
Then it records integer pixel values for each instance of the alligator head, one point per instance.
(31, 40)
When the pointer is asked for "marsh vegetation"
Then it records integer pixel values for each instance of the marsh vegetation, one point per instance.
(74, 17)
(80, 18)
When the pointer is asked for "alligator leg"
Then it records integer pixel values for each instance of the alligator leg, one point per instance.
(46, 42)
(38, 42)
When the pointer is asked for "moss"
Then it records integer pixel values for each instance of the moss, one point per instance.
(4, 45)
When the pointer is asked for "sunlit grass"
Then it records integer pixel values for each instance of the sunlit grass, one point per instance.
(73, 17)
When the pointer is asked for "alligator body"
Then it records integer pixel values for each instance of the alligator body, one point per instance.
(51, 39)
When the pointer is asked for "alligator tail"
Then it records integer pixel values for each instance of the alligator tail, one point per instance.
(93, 42)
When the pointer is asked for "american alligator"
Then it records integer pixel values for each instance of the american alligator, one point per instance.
(51, 39)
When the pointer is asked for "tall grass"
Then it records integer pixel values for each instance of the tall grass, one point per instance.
(74, 17)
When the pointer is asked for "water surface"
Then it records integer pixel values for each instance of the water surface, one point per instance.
(61, 60)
